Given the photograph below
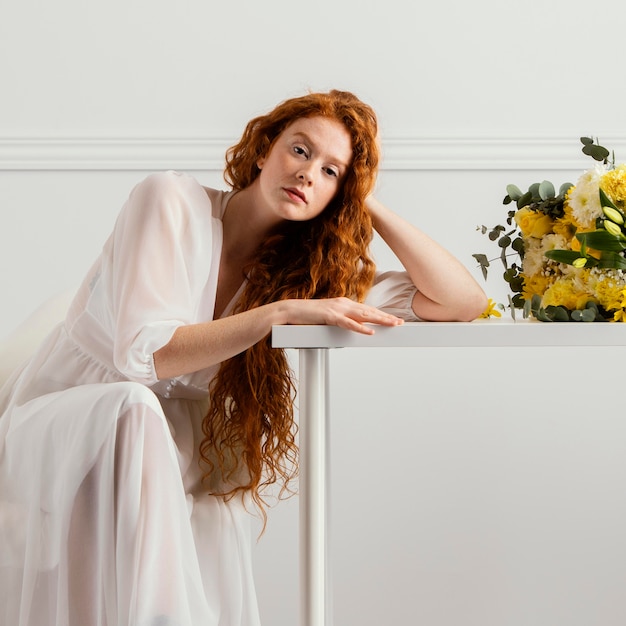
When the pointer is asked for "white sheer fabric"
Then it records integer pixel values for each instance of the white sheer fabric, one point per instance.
(103, 517)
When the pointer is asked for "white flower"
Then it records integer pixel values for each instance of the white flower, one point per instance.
(584, 198)
(553, 242)
(533, 257)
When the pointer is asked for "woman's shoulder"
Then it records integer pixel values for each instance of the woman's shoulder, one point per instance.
(167, 182)
(179, 191)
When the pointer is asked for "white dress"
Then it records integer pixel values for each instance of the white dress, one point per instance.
(104, 520)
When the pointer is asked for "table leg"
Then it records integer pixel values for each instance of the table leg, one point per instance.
(315, 601)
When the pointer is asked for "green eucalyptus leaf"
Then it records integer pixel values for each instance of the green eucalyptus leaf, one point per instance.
(599, 153)
(524, 200)
(518, 245)
(517, 284)
(503, 258)
(564, 188)
(546, 190)
(543, 316)
(588, 315)
(509, 275)
(495, 232)
(586, 140)
(504, 241)
(514, 192)
(483, 261)
(534, 191)
(577, 316)
(519, 302)
(512, 307)
(559, 314)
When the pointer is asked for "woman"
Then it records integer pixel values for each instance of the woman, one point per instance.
(124, 492)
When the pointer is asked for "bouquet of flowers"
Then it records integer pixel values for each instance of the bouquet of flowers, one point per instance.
(564, 252)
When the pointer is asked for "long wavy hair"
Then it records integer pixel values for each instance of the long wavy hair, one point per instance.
(249, 431)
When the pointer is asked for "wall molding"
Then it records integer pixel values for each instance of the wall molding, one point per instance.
(424, 153)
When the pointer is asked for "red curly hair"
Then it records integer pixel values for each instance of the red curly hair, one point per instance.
(249, 431)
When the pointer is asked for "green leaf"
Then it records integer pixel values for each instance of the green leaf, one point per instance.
(586, 140)
(588, 315)
(495, 232)
(534, 191)
(509, 275)
(563, 256)
(512, 307)
(564, 188)
(483, 261)
(514, 192)
(518, 245)
(504, 242)
(542, 316)
(525, 200)
(602, 240)
(606, 201)
(612, 260)
(518, 301)
(558, 313)
(599, 153)
(546, 190)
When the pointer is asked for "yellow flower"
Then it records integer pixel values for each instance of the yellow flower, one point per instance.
(610, 294)
(613, 183)
(490, 310)
(566, 226)
(533, 223)
(619, 316)
(565, 293)
(535, 285)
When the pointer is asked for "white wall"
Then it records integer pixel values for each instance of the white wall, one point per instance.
(470, 486)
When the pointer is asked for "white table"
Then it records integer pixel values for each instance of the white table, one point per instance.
(313, 343)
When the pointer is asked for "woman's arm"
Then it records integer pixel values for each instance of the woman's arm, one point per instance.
(196, 346)
(446, 290)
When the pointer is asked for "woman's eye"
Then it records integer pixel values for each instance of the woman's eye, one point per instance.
(300, 150)
(331, 171)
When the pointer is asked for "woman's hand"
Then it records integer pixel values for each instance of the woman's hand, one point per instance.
(197, 346)
(341, 312)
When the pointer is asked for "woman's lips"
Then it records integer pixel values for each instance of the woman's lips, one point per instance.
(295, 194)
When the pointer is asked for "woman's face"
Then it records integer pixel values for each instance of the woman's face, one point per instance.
(305, 168)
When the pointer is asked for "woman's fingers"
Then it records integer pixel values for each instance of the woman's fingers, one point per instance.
(360, 317)
(341, 312)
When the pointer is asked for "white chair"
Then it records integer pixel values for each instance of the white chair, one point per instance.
(24, 340)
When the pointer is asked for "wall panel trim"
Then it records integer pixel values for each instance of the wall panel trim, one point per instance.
(424, 153)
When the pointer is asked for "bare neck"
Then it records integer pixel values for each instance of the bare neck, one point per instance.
(245, 225)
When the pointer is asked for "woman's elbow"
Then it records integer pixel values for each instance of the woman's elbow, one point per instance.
(472, 306)
(457, 308)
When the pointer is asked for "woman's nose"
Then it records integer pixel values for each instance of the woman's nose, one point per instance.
(305, 175)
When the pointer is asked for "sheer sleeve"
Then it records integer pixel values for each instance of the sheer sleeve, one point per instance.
(393, 292)
(160, 259)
